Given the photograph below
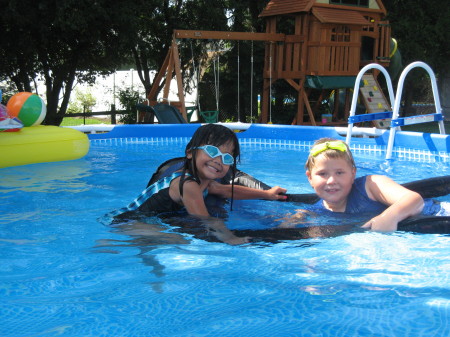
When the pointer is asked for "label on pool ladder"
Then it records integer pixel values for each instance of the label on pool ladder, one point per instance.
(418, 119)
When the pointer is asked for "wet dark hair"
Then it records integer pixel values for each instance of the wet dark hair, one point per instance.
(214, 134)
(209, 134)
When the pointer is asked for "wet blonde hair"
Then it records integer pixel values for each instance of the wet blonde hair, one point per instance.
(329, 154)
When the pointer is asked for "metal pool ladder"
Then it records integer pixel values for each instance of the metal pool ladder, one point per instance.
(396, 122)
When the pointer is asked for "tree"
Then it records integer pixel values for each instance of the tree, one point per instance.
(63, 42)
(128, 98)
(156, 26)
(84, 102)
(67, 41)
(421, 29)
(236, 94)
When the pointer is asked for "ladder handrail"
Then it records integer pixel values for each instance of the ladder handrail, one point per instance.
(356, 93)
(398, 99)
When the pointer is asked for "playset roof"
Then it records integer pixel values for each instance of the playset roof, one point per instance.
(281, 7)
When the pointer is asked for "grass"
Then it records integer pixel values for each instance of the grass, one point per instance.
(73, 121)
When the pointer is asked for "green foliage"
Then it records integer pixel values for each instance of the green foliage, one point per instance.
(69, 41)
(421, 29)
(239, 81)
(63, 42)
(8, 91)
(128, 99)
(83, 102)
(156, 25)
(74, 108)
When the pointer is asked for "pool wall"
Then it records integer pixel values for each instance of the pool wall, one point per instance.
(434, 143)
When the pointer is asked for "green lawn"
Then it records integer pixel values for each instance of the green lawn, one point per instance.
(73, 121)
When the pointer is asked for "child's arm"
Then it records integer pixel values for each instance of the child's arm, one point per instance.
(402, 203)
(243, 192)
(217, 228)
(293, 220)
(192, 197)
(194, 203)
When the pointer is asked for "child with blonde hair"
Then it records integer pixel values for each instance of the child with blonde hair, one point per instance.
(331, 171)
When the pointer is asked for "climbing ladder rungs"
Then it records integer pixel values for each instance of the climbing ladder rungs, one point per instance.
(396, 122)
(369, 85)
(402, 121)
(370, 117)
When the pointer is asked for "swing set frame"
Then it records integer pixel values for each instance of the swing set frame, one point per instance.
(171, 66)
(323, 48)
(326, 44)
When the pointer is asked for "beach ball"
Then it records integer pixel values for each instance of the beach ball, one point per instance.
(28, 107)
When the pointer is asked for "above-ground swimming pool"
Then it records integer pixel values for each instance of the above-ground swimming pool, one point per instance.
(64, 273)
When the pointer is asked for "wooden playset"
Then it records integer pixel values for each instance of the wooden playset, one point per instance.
(312, 45)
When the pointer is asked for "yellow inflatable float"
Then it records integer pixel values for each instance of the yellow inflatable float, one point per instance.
(41, 144)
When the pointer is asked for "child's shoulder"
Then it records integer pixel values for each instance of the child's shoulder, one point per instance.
(167, 168)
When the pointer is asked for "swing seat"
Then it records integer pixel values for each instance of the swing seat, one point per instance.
(145, 113)
(210, 116)
(165, 113)
(190, 111)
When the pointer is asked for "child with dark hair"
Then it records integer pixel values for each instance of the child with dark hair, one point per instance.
(185, 182)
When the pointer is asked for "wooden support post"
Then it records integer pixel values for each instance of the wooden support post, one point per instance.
(302, 102)
(265, 101)
(170, 66)
(159, 77)
(169, 76)
(176, 61)
(348, 97)
(308, 107)
(300, 107)
(113, 114)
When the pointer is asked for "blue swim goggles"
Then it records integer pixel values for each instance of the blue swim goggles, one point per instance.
(213, 152)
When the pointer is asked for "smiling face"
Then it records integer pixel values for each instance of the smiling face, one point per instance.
(332, 179)
(211, 168)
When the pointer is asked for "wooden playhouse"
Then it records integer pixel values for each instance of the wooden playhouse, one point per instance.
(328, 43)
(316, 46)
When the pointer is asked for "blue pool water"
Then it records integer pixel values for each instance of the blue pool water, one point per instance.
(63, 273)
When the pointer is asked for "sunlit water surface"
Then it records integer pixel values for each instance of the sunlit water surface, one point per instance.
(63, 273)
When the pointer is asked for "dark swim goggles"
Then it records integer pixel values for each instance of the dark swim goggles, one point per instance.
(213, 152)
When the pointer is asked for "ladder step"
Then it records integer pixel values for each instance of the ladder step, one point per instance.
(369, 117)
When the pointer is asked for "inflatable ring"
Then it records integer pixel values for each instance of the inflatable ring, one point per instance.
(41, 144)
(427, 188)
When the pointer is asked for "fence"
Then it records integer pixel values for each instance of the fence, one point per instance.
(93, 117)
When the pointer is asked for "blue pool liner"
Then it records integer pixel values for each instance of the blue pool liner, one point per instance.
(435, 143)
